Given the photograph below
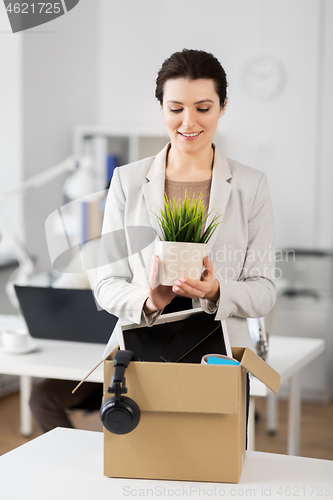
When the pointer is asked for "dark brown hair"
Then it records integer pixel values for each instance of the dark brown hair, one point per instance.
(192, 64)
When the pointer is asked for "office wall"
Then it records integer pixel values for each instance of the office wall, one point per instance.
(276, 133)
(60, 75)
(325, 131)
(98, 64)
(10, 129)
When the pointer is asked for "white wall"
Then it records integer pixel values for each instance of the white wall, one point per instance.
(10, 129)
(48, 85)
(98, 64)
(278, 136)
(60, 75)
(325, 133)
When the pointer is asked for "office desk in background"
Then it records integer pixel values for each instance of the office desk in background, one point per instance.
(73, 360)
(288, 356)
(52, 359)
(67, 464)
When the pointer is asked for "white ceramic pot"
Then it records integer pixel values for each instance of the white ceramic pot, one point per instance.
(179, 260)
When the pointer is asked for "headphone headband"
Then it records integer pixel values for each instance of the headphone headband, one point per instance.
(120, 362)
(120, 414)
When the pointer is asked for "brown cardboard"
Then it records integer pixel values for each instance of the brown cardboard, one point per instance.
(192, 424)
(257, 366)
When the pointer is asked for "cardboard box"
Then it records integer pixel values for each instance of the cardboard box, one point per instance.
(193, 420)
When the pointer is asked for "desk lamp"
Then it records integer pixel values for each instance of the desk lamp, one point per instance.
(80, 182)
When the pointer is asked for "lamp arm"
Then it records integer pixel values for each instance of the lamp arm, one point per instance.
(67, 165)
(26, 264)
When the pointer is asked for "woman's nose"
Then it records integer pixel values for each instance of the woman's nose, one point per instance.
(188, 118)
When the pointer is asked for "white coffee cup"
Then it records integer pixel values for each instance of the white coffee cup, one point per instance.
(17, 341)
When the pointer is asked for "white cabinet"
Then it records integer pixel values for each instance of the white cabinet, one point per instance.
(125, 144)
(109, 147)
(313, 318)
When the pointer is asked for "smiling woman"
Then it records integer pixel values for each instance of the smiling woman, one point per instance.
(191, 87)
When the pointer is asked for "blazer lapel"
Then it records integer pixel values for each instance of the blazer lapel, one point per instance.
(220, 192)
(153, 190)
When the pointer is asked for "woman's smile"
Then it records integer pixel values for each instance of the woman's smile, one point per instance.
(189, 136)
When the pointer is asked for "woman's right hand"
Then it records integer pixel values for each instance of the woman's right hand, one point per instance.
(159, 295)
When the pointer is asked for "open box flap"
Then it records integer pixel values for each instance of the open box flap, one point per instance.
(257, 366)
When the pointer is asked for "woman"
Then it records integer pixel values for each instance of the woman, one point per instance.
(238, 281)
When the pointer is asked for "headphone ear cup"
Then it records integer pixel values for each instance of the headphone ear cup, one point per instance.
(122, 417)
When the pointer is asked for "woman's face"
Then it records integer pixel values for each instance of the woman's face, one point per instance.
(191, 111)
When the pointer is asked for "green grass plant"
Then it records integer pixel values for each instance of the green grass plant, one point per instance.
(183, 220)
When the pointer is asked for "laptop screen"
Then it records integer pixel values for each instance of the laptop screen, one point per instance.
(64, 314)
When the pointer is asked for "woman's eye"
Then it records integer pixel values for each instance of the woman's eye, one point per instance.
(177, 110)
(203, 110)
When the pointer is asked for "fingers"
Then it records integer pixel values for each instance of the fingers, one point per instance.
(153, 278)
(159, 295)
(187, 287)
(209, 271)
(206, 262)
(183, 287)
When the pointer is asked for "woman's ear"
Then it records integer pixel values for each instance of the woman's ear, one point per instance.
(222, 111)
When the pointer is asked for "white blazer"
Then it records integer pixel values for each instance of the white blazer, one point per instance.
(241, 249)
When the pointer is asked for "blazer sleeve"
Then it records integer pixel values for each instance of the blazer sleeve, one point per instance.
(254, 293)
(115, 291)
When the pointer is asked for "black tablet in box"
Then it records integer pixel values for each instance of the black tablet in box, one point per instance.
(180, 337)
(64, 314)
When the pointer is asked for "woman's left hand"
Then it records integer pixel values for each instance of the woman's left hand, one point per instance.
(206, 288)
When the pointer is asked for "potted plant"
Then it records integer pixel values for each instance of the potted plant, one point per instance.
(182, 245)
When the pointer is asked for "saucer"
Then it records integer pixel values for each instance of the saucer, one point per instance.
(31, 348)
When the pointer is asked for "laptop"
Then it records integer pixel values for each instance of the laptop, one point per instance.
(178, 337)
(64, 314)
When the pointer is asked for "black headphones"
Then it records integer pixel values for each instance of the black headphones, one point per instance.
(120, 414)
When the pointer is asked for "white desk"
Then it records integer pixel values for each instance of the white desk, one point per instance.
(52, 359)
(288, 356)
(72, 361)
(67, 464)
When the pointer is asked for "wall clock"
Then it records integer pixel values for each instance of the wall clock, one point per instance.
(264, 78)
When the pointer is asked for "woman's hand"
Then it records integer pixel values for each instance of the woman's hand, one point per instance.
(206, 288)
(159, 295)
